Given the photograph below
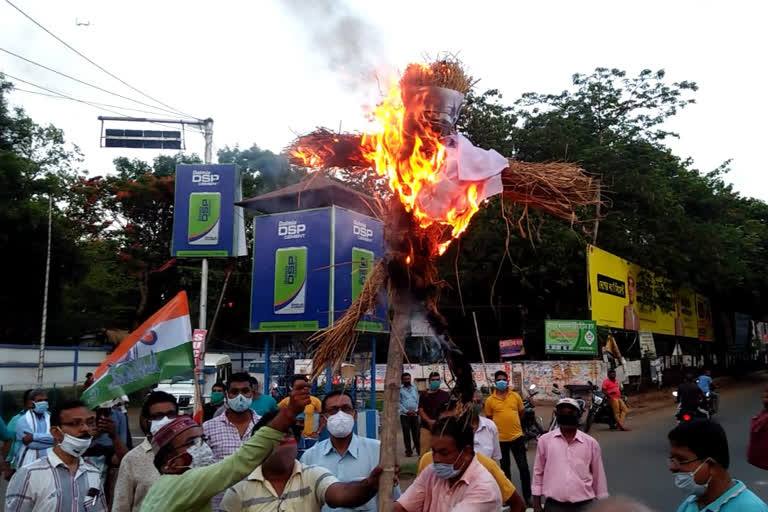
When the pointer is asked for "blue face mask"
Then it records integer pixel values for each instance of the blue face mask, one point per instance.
(501, 385)
(687, 482)
(240, 403)
(446, 471)
(41, 407)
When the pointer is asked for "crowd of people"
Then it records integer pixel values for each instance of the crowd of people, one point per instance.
(246, 455)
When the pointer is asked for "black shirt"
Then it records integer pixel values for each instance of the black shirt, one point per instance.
(689, 395)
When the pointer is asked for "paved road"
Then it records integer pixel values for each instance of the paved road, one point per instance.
(636, 461)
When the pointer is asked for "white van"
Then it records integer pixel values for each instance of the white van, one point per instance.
(218, 367)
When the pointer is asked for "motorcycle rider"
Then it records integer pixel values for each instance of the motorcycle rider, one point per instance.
(690, 396)
(707, 386)
(613, 392)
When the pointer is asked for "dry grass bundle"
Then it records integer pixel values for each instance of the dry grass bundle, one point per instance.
(557, 188)
(446, 73)
(323, 149)
(336, 343)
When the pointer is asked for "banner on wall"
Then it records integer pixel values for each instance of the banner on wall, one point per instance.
(570, 337)
(511, 347)
(615, 300)
(206, 222)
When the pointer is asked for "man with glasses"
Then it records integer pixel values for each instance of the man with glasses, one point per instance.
(346, 455)
(61, 480)
(699, 460)
(189, 478)
(282, 483)
(227, 432)
(137, 469)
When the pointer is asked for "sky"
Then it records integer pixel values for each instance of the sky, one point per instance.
(267, 70)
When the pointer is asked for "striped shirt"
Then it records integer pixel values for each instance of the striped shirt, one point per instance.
(304, 492)
(47, 485)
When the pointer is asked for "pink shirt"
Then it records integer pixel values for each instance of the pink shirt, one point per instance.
(569, 472)
(476, 491)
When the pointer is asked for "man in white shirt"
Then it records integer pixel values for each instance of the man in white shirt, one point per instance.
(61, 480)
(33, 430)
(486, 432)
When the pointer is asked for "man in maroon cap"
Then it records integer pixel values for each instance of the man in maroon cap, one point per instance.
(189, 479)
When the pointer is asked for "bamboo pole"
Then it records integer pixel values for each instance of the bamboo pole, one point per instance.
(390, 421)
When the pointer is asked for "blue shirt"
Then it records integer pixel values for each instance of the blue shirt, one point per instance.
(704, 383)
(409, 399)
(356, 463)
(736, 499)
(263, 404)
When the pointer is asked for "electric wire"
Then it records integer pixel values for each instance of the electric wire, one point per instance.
(30, 18)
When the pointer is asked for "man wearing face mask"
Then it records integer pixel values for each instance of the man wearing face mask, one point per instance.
(429, 403)
(346, 455)
(699, 460)
(505, 408)
(285, 484)
(227, 432)
(61, 480)
(33, 430)
(409, 416)
(569, 466)
(456, 481)
(189, 478)
(137, 469)
(218, 391)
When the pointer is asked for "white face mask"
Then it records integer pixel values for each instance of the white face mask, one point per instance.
(240, 403)
(74, 446)
(201, 454)
(156, 425)
(341, 424)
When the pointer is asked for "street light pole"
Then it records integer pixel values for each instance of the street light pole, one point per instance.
(41, 355)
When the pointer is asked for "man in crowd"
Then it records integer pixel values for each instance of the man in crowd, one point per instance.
(137, 469)
(509, 495)
(261, 403)
(505, 408)
(409, 414)
(612, 389)
(699, 460)
(109, 445)
(346, 455)
(486, 436)
(309, 412)
(33, 430)
(707, 386)
(429, 402)
(689, 395)
(88, 380)
(757, 450)
(284, 483)
(569, 466)
(189, 478)
(227, 432)
(60, 480)
(218, 390)
(10, 449)
(455, 480)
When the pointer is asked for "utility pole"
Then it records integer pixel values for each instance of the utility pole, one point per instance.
(41, 355)
(208, 133)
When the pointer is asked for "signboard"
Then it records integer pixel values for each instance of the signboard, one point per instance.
(762, 332)
(704, 318)
(616, 300)
(198, 339)
(206, 222)
(741, 324)
(570, 337)
(647, 345)
(308, 267)
(511, 348)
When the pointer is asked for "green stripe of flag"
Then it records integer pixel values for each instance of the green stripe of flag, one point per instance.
(141, 373)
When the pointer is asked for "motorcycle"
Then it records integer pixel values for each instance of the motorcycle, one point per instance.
(683, 415)
(600, 410)
(559, 393)
(532, 428)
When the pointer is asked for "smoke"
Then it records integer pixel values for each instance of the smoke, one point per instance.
(350, 45)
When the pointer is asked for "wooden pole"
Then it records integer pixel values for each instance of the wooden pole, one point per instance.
(390, 416)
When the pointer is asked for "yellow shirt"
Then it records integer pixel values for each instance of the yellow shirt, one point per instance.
(506, 415)
(506, 487)
(309, 412)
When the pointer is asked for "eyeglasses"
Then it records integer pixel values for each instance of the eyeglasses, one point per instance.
(90, 423)
(344, 408)
(674, 463)
(160, 415)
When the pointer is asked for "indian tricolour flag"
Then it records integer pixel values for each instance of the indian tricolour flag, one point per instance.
(160, 349)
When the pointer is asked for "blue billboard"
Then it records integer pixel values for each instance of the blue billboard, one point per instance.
(308, 267)
(206, 222)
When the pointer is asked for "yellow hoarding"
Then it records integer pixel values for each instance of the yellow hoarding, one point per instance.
(616, 300)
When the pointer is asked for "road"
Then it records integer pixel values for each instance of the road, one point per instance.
(636, 461)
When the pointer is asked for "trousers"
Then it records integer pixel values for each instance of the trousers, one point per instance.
(559, 506)
(425, 440)
(517, 447)
(410, 426)
(619, 409)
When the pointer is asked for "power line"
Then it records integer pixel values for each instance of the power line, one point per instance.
(99, 106)
(86, 83)
(93, 63)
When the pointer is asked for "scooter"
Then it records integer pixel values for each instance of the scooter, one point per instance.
(600, 410)
(532, 428)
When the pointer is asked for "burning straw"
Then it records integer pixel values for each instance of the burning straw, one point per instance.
(447, 73)
(336, 343)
